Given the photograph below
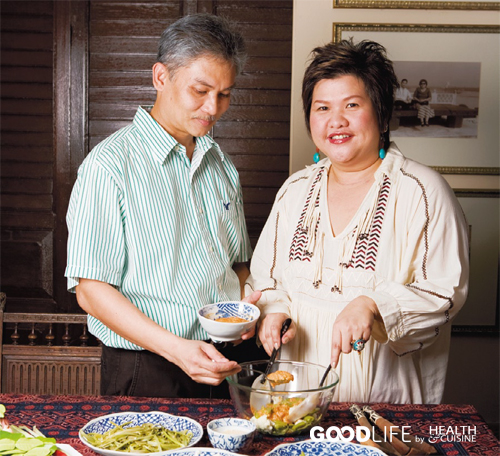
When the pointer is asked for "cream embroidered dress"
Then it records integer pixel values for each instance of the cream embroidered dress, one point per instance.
(406, 248)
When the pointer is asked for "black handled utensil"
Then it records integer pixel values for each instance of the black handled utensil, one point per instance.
(327, 371)
(284, 328)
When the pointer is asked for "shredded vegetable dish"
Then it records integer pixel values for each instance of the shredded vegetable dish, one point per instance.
(146, 438)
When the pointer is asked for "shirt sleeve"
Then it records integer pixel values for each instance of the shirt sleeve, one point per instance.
(96, 241)
(269, 261)
(435, 262)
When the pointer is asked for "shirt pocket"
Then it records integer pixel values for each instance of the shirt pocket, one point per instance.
(229, 209)
(231, 226)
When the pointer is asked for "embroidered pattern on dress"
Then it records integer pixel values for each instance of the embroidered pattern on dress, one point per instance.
(288, 186)
(426, 253)
(437, 295)
(420, 346)
(365, 251)
(275, 253)
(426, 226)
(300, 240)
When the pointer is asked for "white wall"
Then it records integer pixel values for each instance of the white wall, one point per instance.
(312, 26)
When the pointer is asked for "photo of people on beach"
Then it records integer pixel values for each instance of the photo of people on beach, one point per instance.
(436, 99)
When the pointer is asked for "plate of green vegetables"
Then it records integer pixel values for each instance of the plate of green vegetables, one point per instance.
(138, 433)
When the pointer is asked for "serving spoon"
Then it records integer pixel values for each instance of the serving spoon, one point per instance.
(260, 399)
(284, 328)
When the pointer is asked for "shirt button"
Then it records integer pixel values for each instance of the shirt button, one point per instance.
(220, 286)
(176, 147)
(210, 249)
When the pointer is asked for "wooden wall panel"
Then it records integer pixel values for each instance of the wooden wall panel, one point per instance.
(123, 42)
(74, 72)
(27, 153)
(258, 122)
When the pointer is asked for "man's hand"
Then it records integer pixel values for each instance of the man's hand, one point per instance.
(202, 362)
(270, 329)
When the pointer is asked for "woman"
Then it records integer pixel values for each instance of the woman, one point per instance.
(422, 97)
(365, 248)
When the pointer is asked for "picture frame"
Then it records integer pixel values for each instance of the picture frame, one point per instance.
(417, 4)
(446, 43)
(481, 310)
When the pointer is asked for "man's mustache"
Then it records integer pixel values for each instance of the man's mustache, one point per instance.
(207, 118)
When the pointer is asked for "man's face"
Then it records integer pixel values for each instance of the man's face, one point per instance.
(189, 104)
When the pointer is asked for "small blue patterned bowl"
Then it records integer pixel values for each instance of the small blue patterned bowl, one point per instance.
(225, 331)
(105, 423)
(232, 434)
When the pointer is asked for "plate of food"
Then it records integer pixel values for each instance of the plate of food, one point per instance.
(194, 451)
(138, 433)
(323, 448)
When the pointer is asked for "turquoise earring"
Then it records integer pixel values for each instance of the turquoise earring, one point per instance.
(316, 156)
(382, 153)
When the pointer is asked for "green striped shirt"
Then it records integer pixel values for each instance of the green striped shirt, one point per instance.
(162, 229)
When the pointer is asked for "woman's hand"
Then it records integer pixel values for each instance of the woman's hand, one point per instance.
(353, 323)
(269, 331)
(252, 298)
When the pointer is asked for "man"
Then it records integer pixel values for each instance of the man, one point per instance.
(403, 96)
(156, 225)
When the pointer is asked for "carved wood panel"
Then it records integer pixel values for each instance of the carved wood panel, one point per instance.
(72, 73)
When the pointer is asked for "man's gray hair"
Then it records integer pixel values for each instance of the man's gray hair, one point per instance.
(197, 35)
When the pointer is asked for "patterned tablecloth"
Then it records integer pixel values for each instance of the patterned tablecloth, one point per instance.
(452, 429)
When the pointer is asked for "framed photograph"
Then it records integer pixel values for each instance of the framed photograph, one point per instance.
(417, 4)
(481, 310)
(448, 115)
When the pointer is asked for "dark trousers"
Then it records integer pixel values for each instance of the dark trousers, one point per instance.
(143, 373)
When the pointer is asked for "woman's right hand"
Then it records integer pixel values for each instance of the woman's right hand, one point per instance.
(269, 331)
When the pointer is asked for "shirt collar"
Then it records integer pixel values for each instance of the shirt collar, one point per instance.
(162, 143)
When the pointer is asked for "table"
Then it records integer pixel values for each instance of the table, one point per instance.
(62, 416)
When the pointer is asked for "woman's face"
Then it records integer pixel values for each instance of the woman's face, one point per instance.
(343, 122)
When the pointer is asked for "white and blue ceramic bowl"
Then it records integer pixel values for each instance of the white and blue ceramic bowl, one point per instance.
(198, 451)
(324, 448)
(108, 422)
(224, 331)
(232, 434)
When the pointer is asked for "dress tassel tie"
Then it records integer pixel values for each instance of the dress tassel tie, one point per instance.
(311, 219)
(318, 261)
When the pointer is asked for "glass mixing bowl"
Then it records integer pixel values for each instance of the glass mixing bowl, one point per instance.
(286, 409)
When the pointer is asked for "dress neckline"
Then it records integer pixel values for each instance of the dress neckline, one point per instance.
(325, 209)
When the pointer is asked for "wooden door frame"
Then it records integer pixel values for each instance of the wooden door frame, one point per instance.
(71, 63)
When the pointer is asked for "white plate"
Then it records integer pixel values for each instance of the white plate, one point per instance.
(325, 448)
(172, 422)
(68, 449)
